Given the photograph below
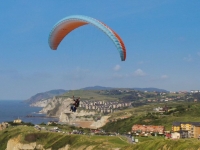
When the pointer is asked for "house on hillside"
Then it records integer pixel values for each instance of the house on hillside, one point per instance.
(95, 131)
(186, 125)
(195, 131)
(168, 135)
(176, 126)
(194, 91)
(165, 108)
(17, 121)
(175, 135)
(187, 129)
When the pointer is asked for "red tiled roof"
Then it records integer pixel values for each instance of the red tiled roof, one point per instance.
(148, 128)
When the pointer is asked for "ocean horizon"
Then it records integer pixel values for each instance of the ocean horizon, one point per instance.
(14, 109)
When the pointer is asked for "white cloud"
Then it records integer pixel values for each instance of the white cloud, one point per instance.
(164, 77)
(188, 58)
(139, 73)
(117, 68)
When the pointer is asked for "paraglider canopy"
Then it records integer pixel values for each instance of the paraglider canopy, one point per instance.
(68, 24)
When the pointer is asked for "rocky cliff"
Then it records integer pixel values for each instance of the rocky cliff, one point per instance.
(41, 103)
(15, 144)
(60, 107)
(3, 125)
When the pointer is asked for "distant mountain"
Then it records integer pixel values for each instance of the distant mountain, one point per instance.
(97, 88)
(45, 95)
(52, 93)
(150, 89)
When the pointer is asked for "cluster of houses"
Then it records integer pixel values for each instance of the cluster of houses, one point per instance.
(164, 109)
(195, 91)
(161, 109)
(165, 99)
(162, 99)
(146, 129)
(186, 129)
(179, 130)
(102, 106)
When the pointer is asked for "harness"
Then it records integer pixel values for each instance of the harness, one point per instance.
(77, 103)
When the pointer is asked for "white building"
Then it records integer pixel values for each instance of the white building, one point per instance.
(175, 135)
(194, 91)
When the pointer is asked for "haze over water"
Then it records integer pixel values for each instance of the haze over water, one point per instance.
(14, 109)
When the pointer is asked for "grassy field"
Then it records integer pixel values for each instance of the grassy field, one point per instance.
(57, 140)
(95, 142)
(166, 144)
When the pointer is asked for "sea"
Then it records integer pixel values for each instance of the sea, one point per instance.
(18, 109)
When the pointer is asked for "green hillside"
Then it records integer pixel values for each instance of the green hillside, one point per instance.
(145, 115)
(53, 140)
(45, 95)
(123, 94)
(112, 94)
(58, 140)
(166, 144)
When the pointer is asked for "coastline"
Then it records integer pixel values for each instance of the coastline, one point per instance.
(14, 109)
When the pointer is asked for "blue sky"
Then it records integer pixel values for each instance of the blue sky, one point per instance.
(162, 40)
